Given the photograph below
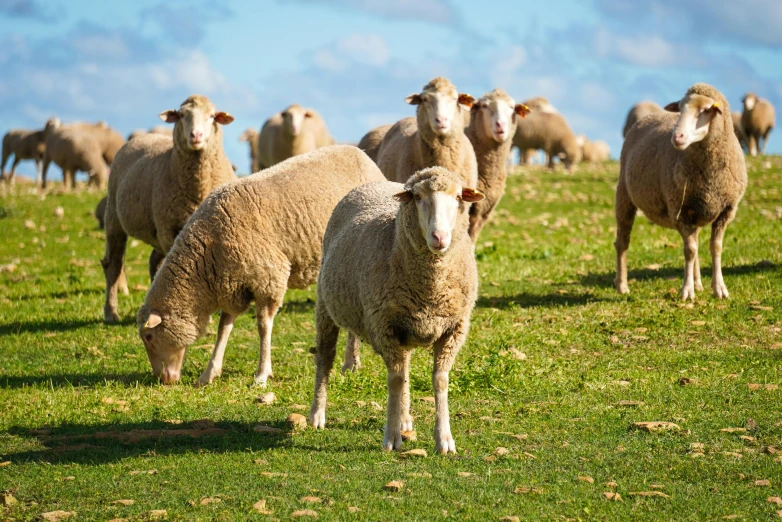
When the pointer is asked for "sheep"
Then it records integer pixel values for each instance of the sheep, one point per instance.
(593, 151)
(551, 133)
(110, 141)
(100, 212)
(683, 172)
(157, 129)
(371, 141)
(157, 183)
(639, 111)
(739, 130)
(26, 145)
(251, 137)
(757, 120)
(491, 130)
(249, 241)
(414, 284)
(74, 150)
(434, 137)
(294, 131)
(536, 104)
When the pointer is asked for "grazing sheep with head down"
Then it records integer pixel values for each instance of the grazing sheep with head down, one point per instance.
(414, 284)
(250, 136)
(157, 183)
(435, 137)
(371, 141)
(684, 172)
(638, 112)
(491, 130)
(249, 241)
(294, 131)
(757, 120)
(26, 145)
(593, 151)
(549, 132)
(74, 150)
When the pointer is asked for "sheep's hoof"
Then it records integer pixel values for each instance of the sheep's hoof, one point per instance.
(687, 293)
(260, 379)
(318, 417)
(720, 291)
(206, 378)
(392, 441)
(445, 445)
(350, 367)
(407, 424)
(110, 317)
(698, 286)
(622, 288)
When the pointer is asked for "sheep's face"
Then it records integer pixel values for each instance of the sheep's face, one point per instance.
(196, 122)
(438, 206)
(441, 108)
(750, 100)
(696, 113)
(165, 347)
(293, 119)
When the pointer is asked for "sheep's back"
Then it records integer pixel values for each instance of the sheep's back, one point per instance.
(395, 150)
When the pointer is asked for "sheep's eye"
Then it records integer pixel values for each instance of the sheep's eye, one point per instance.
(417, 197)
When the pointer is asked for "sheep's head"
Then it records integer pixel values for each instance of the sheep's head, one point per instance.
(293, 118)
(196, 122)
(441, 204)
(495, 113)
(749, 100)
(166, 340)
(697, 113)
(438, 106)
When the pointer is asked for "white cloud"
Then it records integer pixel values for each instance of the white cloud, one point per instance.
(370, 49)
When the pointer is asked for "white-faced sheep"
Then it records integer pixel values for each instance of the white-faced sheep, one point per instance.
(249, 241)
(294, 131)
(684, 172)
(414, 284)
(638, 112)
(26, 145)
(250, 136)
(550, 133)
(435, 137)
(157, 183)
(75, 150)
(370, 142)
(491, 130)
(757, 120)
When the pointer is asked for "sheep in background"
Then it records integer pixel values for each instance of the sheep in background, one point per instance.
(294, 131)
(370, 142)
(491, 130)
(157, 129)
(684, 173)
(435, 137)
(739, 130)
(26, 145)
(639, 111)
(250, 136)
(249, 241)
(548, 132)
(74, 150)
(414, 284)
(109, 140)
(593, 151)
(757, 120)
(157, 183)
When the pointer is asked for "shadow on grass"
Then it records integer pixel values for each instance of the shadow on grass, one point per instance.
(75, 380)
(306, 306)
(113, 442)
(607, 279)
(63, 294)
(64, 325)
(527, 300)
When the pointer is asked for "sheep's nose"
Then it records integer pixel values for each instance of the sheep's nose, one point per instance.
(196, 135)
(440, 237)
(442, 120)
(169, 376)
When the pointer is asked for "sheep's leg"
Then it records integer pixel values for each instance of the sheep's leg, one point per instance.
(406, 423)
(765, 141)
(13, 169)
(5, 157)
(697, 268)
(45, 170)
(155, 260)
(122, 283)
(395, 363)
(753, 145)
(264, 316)
(352, 360)
(717, 232)
(550, 161)
(68, 180)
(325, 352)
(690, 237)
(37, 171)
(113, 264)
(215, 366)
(445, 351)
(625, 217)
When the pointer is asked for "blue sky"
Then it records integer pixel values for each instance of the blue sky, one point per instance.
(356, 60)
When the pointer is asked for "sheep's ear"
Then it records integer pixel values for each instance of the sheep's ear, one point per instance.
(170, 116)
(715, 107)
(466, 100)
(472, 195)
(223, 118)
(308, 114)
(404, 196)
(414, 99)
(522, 110)
(153, 320)
(673, 107)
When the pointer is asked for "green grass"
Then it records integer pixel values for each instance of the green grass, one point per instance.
(546, 264)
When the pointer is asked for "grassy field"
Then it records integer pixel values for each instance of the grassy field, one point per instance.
(556, 370)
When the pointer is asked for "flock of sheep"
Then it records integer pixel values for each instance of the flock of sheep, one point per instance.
(387, 229)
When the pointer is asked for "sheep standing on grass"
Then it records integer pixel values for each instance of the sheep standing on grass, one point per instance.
(74, 150)
(250, 136)
(157, 183)
(249, 241)
(593, 151)
(699, 180)
(638, 112)
(294, 131)
(435, 137)
(414, 283)
(757, 120)
(551, 133)
(26, 145)
(491, 130)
